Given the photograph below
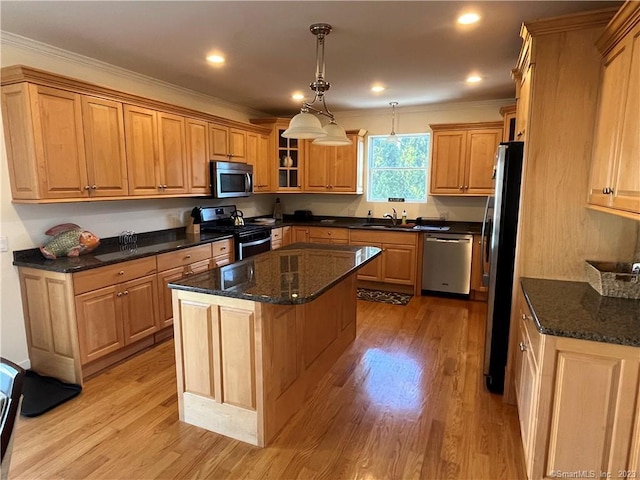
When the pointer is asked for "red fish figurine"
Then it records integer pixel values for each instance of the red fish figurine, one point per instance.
(69, 240)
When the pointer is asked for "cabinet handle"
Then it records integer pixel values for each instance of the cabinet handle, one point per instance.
(466, 187)
(520, 133)
(126, 292)
(187, 257)
(94, 187)
(223, 248)
(121, 272)
(160, 187)
(119, 294)
(523, 346)
(87, 187)
(610, 191)
(461, 187)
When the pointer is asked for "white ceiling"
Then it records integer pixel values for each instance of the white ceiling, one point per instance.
(416, 49)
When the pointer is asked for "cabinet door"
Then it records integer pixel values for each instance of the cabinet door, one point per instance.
(237, 145)
(626, 175)
(197, 156)
(100, 329)
(615, 76)
(373, 270)
(447, 162)
(343, 169)
(59, 142)
(526, 378)
(286, 236)
(399, 264)
(258, 156)
(172, 153)
(139, 308)
(523, 105)
(315, 173)
(218, 142)
(481, 154)
(141, 135)
(300, 234)
(104, 146)
(165, 316)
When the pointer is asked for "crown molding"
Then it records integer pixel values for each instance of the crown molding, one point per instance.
(46, 50)
(434, 107)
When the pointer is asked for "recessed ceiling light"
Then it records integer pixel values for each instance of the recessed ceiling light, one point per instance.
(217, 59)
(474, 79)
(468, 18)
(377, 88)
(297, 96)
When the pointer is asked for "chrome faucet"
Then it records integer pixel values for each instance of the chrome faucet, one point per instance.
(394, 217)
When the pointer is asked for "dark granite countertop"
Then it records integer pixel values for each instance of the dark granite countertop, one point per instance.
(109, 251)
(295, 274)
(473, 228)
(576, 310)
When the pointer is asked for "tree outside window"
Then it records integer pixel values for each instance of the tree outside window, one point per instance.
(398, 170)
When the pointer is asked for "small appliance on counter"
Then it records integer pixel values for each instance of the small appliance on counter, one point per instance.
(302, 215)
(248, 239)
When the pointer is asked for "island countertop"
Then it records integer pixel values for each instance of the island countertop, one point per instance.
(295, 274)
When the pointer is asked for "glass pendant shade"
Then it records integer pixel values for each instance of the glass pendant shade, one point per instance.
(303, 126)
(335, 136)
(393, 138)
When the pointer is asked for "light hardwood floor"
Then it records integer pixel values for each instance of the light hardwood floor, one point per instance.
(406, 400)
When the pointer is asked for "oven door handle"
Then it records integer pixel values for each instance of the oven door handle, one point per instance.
(257, 242)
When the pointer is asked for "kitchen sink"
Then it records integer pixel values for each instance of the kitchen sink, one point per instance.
(378, 225)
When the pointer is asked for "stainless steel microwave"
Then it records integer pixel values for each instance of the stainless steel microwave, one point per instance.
(230, 179)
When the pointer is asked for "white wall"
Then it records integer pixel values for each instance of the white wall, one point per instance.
(408, 120)
(23, 225)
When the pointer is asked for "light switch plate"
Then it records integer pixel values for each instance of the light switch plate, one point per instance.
(4, 244)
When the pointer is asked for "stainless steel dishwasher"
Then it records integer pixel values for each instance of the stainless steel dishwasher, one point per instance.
(446, 264)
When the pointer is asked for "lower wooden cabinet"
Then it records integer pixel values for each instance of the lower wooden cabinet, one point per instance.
(299, 234)
(335, 236)
(78, 324)
(398, 264)
(280, 237)
(578, 404)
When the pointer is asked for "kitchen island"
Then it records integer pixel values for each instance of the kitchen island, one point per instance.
(254, 338)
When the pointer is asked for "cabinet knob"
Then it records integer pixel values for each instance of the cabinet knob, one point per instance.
(126, 292)
(87, 187)
(610, 192)
(121, 272)
(326, 186)
(160, 187)
(523, 346)
(524, 317)
(223, 248)
(187, 257)
(466, 187)
(94, 187)
(461, 187)
(119, 294)
(520, 133)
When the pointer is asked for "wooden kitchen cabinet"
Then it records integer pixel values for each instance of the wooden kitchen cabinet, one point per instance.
(328, 235)
(478, 257)
(63, 145)
(280, 237)
(222, 253)
(335, 169)
(156, 151)
(115, 307)
(463, 158)
(299, 234)
(258, 156)
(577, 402)
(227, 144)
(508, 123)
(398, 265)
(615, 183)
(197, 141)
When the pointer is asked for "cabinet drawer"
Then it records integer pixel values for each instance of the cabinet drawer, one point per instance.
(183, 257)
(377, 236)
(329, 233)
(112, 274)
(222, 247)
(533, 337)
(276, 234)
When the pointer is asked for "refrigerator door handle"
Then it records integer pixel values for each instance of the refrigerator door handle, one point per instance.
(484, 243)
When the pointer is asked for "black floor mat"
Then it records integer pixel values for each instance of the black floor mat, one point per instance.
(41, 394)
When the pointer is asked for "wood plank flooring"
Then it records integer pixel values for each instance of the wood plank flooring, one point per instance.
(405, 401)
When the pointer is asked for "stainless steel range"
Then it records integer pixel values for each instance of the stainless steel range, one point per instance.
(248, 239)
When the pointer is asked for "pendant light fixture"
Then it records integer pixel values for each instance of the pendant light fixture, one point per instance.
(306, 125)
(393, 138)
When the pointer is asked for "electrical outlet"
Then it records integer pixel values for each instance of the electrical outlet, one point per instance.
(4, 244)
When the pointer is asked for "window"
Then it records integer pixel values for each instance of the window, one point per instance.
(398, 170)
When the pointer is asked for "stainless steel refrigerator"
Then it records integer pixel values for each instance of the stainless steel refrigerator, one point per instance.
(499, 231)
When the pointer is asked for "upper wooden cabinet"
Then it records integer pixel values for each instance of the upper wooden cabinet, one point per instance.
(463, 158)
(258, 156)
(508, 123)
(69, 140)
(335, 169)
(615, 181)
(228, 144)
(156, 151)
